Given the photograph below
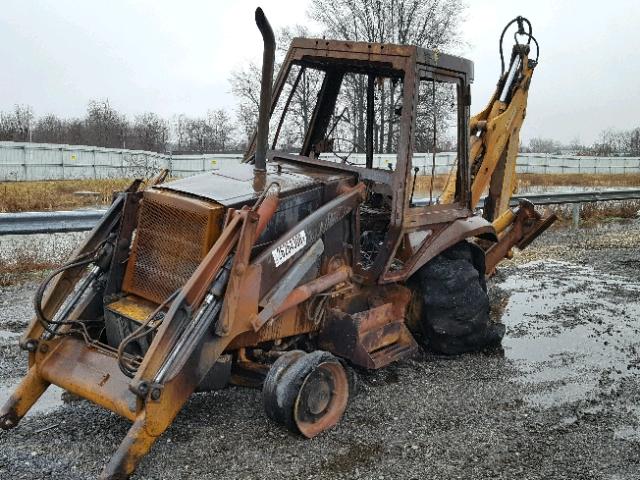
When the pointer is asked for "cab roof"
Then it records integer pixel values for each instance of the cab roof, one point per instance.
(330, 50)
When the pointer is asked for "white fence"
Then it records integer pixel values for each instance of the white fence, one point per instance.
(40, 161)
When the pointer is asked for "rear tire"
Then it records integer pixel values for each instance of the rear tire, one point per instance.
(455, 305)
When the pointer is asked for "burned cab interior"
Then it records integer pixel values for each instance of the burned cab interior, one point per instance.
(396, 113)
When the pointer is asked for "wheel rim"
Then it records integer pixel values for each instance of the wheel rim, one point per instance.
(322, 399)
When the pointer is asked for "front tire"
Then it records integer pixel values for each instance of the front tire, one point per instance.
(455, 306)
(306, 392)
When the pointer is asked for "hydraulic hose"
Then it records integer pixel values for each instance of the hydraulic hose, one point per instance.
(47, 323)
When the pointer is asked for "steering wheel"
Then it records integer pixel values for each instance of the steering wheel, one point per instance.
(355, 146)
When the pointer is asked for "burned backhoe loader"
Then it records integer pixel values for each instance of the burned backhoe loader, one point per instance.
(289, 270)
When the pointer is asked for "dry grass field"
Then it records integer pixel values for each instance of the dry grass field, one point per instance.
(57, 194)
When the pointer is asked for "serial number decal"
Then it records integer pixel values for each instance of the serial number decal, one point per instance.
(289, 248)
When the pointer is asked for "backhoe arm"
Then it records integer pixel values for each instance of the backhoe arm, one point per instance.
(495, 131)
(494, 142)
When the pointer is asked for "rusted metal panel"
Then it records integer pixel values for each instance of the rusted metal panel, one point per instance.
(128, 224)
(444, 236)
(308, 231)
(287, 324)
(236, 299)
(234, 186)
(276, 297)
(375, 175)
(189, 298)
(306, 291)
(367, 327)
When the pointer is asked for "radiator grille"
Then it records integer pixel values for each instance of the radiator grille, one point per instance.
(170, 242)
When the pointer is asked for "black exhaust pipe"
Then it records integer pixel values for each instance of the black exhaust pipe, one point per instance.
(266, 86)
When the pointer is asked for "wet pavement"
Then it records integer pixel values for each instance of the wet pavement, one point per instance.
(568, 325)
(561, 401)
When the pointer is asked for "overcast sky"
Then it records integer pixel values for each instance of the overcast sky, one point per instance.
(170, 56)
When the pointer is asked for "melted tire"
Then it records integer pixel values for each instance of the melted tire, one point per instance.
(455, 305)
(283, 392)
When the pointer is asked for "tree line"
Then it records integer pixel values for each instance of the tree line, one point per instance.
(610, 143)
(103, 126)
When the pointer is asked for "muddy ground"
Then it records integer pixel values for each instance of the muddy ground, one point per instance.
(561, 402)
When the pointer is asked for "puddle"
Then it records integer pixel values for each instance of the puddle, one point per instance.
(629, 433)
(570, 329)
(49, 401)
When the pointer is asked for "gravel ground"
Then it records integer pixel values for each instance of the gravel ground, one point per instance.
(562, 401)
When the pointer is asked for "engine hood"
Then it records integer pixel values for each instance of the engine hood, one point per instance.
(236, 184)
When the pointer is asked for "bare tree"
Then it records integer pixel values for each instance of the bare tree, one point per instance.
(432, 24)
(50, 129)
(149, 132)
(179, 131)
(105, 127)
(211, 134)
(17, 125)
(543, 145)
(222, 128)
(245, 85)
(634, 142)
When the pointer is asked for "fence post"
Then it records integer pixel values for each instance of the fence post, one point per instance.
(576, 214)
(61, 157)
(95, 174)
(24, 162)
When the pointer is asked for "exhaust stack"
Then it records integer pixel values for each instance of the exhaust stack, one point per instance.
(266, 86)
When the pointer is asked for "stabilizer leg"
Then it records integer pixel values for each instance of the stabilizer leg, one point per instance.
(25, 395)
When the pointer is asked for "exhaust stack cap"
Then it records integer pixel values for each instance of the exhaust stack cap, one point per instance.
(266, 86)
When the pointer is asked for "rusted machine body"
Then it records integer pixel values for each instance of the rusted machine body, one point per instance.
(259, 269)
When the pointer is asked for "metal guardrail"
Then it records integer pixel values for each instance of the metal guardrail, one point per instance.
(26, 223)
(578, 197)
(564, 197)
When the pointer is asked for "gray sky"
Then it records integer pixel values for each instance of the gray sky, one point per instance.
(169, 57)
